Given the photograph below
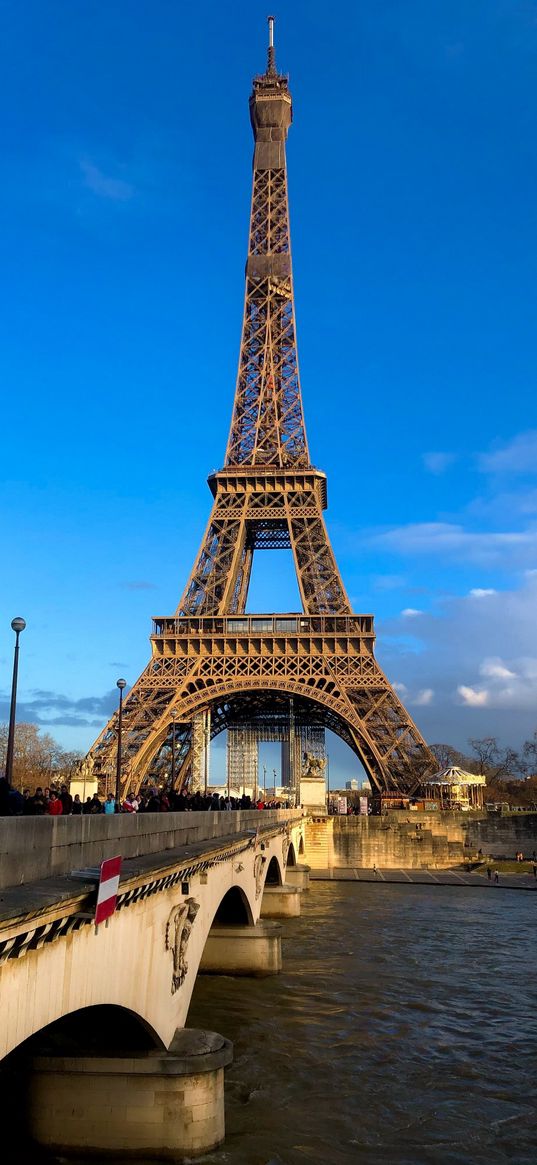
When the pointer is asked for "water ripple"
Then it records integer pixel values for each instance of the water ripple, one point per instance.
(403, 1030)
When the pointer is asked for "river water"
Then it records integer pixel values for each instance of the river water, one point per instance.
(403, 1030)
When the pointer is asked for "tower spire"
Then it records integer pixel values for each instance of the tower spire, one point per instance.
(268, 425)
(271, 62)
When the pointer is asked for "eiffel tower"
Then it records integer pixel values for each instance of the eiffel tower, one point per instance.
(212, 665)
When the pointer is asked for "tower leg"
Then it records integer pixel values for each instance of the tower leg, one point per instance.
(197, 772)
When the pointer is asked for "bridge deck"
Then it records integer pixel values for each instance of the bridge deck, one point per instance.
(70, 894)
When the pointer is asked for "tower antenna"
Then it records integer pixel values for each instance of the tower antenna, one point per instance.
(271, 50)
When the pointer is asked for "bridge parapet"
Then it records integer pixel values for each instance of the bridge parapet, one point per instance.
(32, 848)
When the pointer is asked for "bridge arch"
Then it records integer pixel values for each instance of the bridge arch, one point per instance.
(273, 876)
(234, 909)
(92, 1030)
(291, 855)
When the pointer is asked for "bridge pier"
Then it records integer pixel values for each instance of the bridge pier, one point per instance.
(162, 1104)
(281, 902)
(243, 950)
(298, 876)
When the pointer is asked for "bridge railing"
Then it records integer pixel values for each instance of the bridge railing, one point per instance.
(41, 847)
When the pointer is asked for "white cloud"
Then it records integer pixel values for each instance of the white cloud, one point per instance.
(479, 656)
(473, 697)
(496, 670)
(139, 585)
(424, 698)
(518, 456)
(401, 688)
(437, 463)
(482, 592)
(103, 185)
(450, 540)
(504, 505)
(389, 582)
(410, 613)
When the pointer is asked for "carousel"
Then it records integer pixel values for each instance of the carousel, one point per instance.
(456, 789)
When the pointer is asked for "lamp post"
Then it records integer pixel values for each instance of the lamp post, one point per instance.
(121, 684)
(173, 716)
(206, 739)
(241, 739)
(18, 625)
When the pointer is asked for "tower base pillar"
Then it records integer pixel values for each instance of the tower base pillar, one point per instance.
(313, 794)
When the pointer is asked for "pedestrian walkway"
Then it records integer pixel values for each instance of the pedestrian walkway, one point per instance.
(426, 878)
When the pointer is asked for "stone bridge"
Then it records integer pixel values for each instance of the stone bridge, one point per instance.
(198, 892)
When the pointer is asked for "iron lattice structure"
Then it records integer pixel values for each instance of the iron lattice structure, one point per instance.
(212, 664)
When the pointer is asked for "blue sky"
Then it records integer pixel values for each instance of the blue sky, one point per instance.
(125, 198)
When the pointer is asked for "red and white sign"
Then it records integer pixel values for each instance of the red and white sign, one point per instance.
(107, 891)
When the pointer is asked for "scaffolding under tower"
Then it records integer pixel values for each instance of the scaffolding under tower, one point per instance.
(295, 738)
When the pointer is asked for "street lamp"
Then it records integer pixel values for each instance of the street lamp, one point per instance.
(121, 684)
(206, 742)
(173, 716)
(241, 740)
(18, 625)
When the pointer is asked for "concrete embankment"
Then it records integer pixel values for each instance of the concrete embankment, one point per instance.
(416, 840)
(461, 878)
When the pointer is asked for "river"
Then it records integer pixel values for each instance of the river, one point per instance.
(402, 1031)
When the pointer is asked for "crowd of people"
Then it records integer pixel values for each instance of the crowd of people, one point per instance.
(57, 801)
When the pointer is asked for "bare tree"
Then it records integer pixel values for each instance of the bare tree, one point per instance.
(495, 762)
(446, 755)
(38, 758)
(529, 752)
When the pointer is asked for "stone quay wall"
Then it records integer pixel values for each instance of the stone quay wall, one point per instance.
(416, 840)
(503, 836)
(44, 847)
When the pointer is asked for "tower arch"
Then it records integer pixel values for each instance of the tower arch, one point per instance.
(327, 706)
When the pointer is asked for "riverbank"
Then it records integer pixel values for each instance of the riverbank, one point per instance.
(422, 877)
(443, 840)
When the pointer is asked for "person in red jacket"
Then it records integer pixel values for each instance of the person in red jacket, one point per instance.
(55, 807)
